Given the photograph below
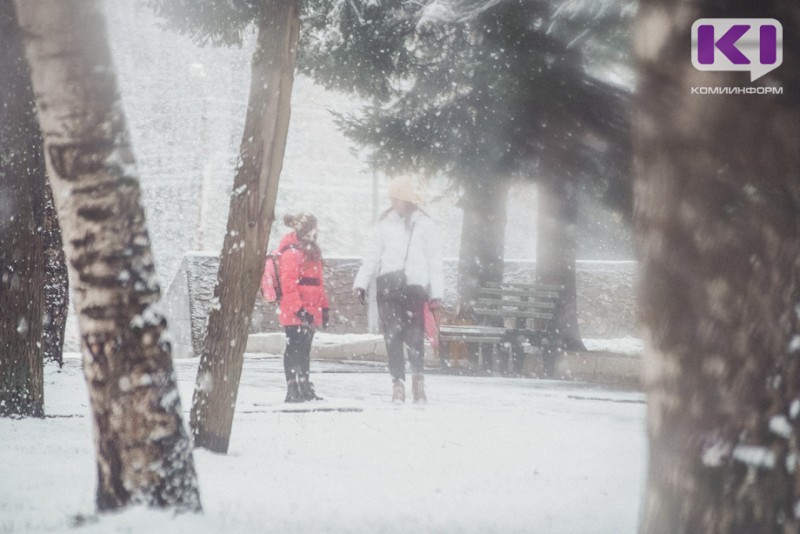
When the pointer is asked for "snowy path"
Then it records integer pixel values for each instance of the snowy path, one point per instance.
(486, 455)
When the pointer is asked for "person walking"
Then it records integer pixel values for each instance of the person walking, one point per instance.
(303, 304)
(406, 255)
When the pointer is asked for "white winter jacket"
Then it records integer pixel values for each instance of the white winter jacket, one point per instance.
(387, 249)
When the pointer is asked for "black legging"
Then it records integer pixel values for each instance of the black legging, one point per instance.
(403, 320)
(297, 356)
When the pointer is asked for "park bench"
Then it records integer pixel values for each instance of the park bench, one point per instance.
(505, 316)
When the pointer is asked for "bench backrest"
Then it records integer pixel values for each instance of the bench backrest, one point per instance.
(530, 306)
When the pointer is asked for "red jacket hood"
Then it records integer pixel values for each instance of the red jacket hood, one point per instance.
(287, 240)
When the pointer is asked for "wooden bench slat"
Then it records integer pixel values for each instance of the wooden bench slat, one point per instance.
(475, 332)
(548, 305)
(542, 287)
(513, 305)
(466, 338)
(517, 293)
(471, 326)
(509, 313)
(471, 329)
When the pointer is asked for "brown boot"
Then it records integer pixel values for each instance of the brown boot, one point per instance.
(398, 391)
(418, 387)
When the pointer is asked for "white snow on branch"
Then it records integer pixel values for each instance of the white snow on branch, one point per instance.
(453, 11)
(780, 426)
(457, 11)
(149, 317)
(794, 409)
(22, 327)
(170, 400)
(794, 344)
(755, 456)
(715, 454)
(791, 462)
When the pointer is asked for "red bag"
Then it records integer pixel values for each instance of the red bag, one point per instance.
(271, 278)
(431, 328)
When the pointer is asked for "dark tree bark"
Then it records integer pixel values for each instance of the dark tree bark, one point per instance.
(252, 211)
(143, 452)
(22, 177)
(480, 260)
(556, 243)
(717, 211)
(56, 278)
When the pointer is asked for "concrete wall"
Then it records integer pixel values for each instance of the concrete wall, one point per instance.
(605, 298)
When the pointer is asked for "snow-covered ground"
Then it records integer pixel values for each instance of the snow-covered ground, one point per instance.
(485, 455)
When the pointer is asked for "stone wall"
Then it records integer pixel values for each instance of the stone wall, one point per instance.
(605, 298)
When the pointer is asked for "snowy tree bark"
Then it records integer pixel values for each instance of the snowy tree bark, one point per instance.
(717, 210)
(557, 218)
(56, 277)
(252, 211)
(22, 179)
(483, 231)
(142, 449)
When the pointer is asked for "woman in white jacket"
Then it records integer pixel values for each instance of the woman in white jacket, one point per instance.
(406, 255)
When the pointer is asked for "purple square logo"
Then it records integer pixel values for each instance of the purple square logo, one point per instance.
(754, 45)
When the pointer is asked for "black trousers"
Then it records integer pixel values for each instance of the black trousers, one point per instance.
(297, 356)
(403, 320)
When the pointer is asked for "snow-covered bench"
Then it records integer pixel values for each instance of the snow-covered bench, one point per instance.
(506, 316)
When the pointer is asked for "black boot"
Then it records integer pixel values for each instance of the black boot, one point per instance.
(418, 388)
(293, 392)
(307, 391)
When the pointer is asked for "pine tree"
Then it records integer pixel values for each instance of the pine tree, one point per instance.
(485, 92)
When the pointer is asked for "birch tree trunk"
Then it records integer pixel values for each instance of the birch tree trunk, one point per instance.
(252, 211)
(556, 244)
(717, 209)
(22, 177)
(142, 449)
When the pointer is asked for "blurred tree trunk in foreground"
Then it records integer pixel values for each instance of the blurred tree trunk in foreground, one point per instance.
(22, 181)
(717, 210)
(142, 449)
(252, 211)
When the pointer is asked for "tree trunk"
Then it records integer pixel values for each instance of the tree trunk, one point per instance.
(252, 211)
(483, 231)
(718, 222)
(56, 279)
(21, 257)
(557, 218)
(143, 452)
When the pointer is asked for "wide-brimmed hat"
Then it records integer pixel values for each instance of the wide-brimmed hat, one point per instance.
(405, 188)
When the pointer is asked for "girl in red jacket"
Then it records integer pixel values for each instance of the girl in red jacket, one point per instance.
(304, 304)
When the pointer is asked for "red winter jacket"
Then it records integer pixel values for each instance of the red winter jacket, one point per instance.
(301, 284)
